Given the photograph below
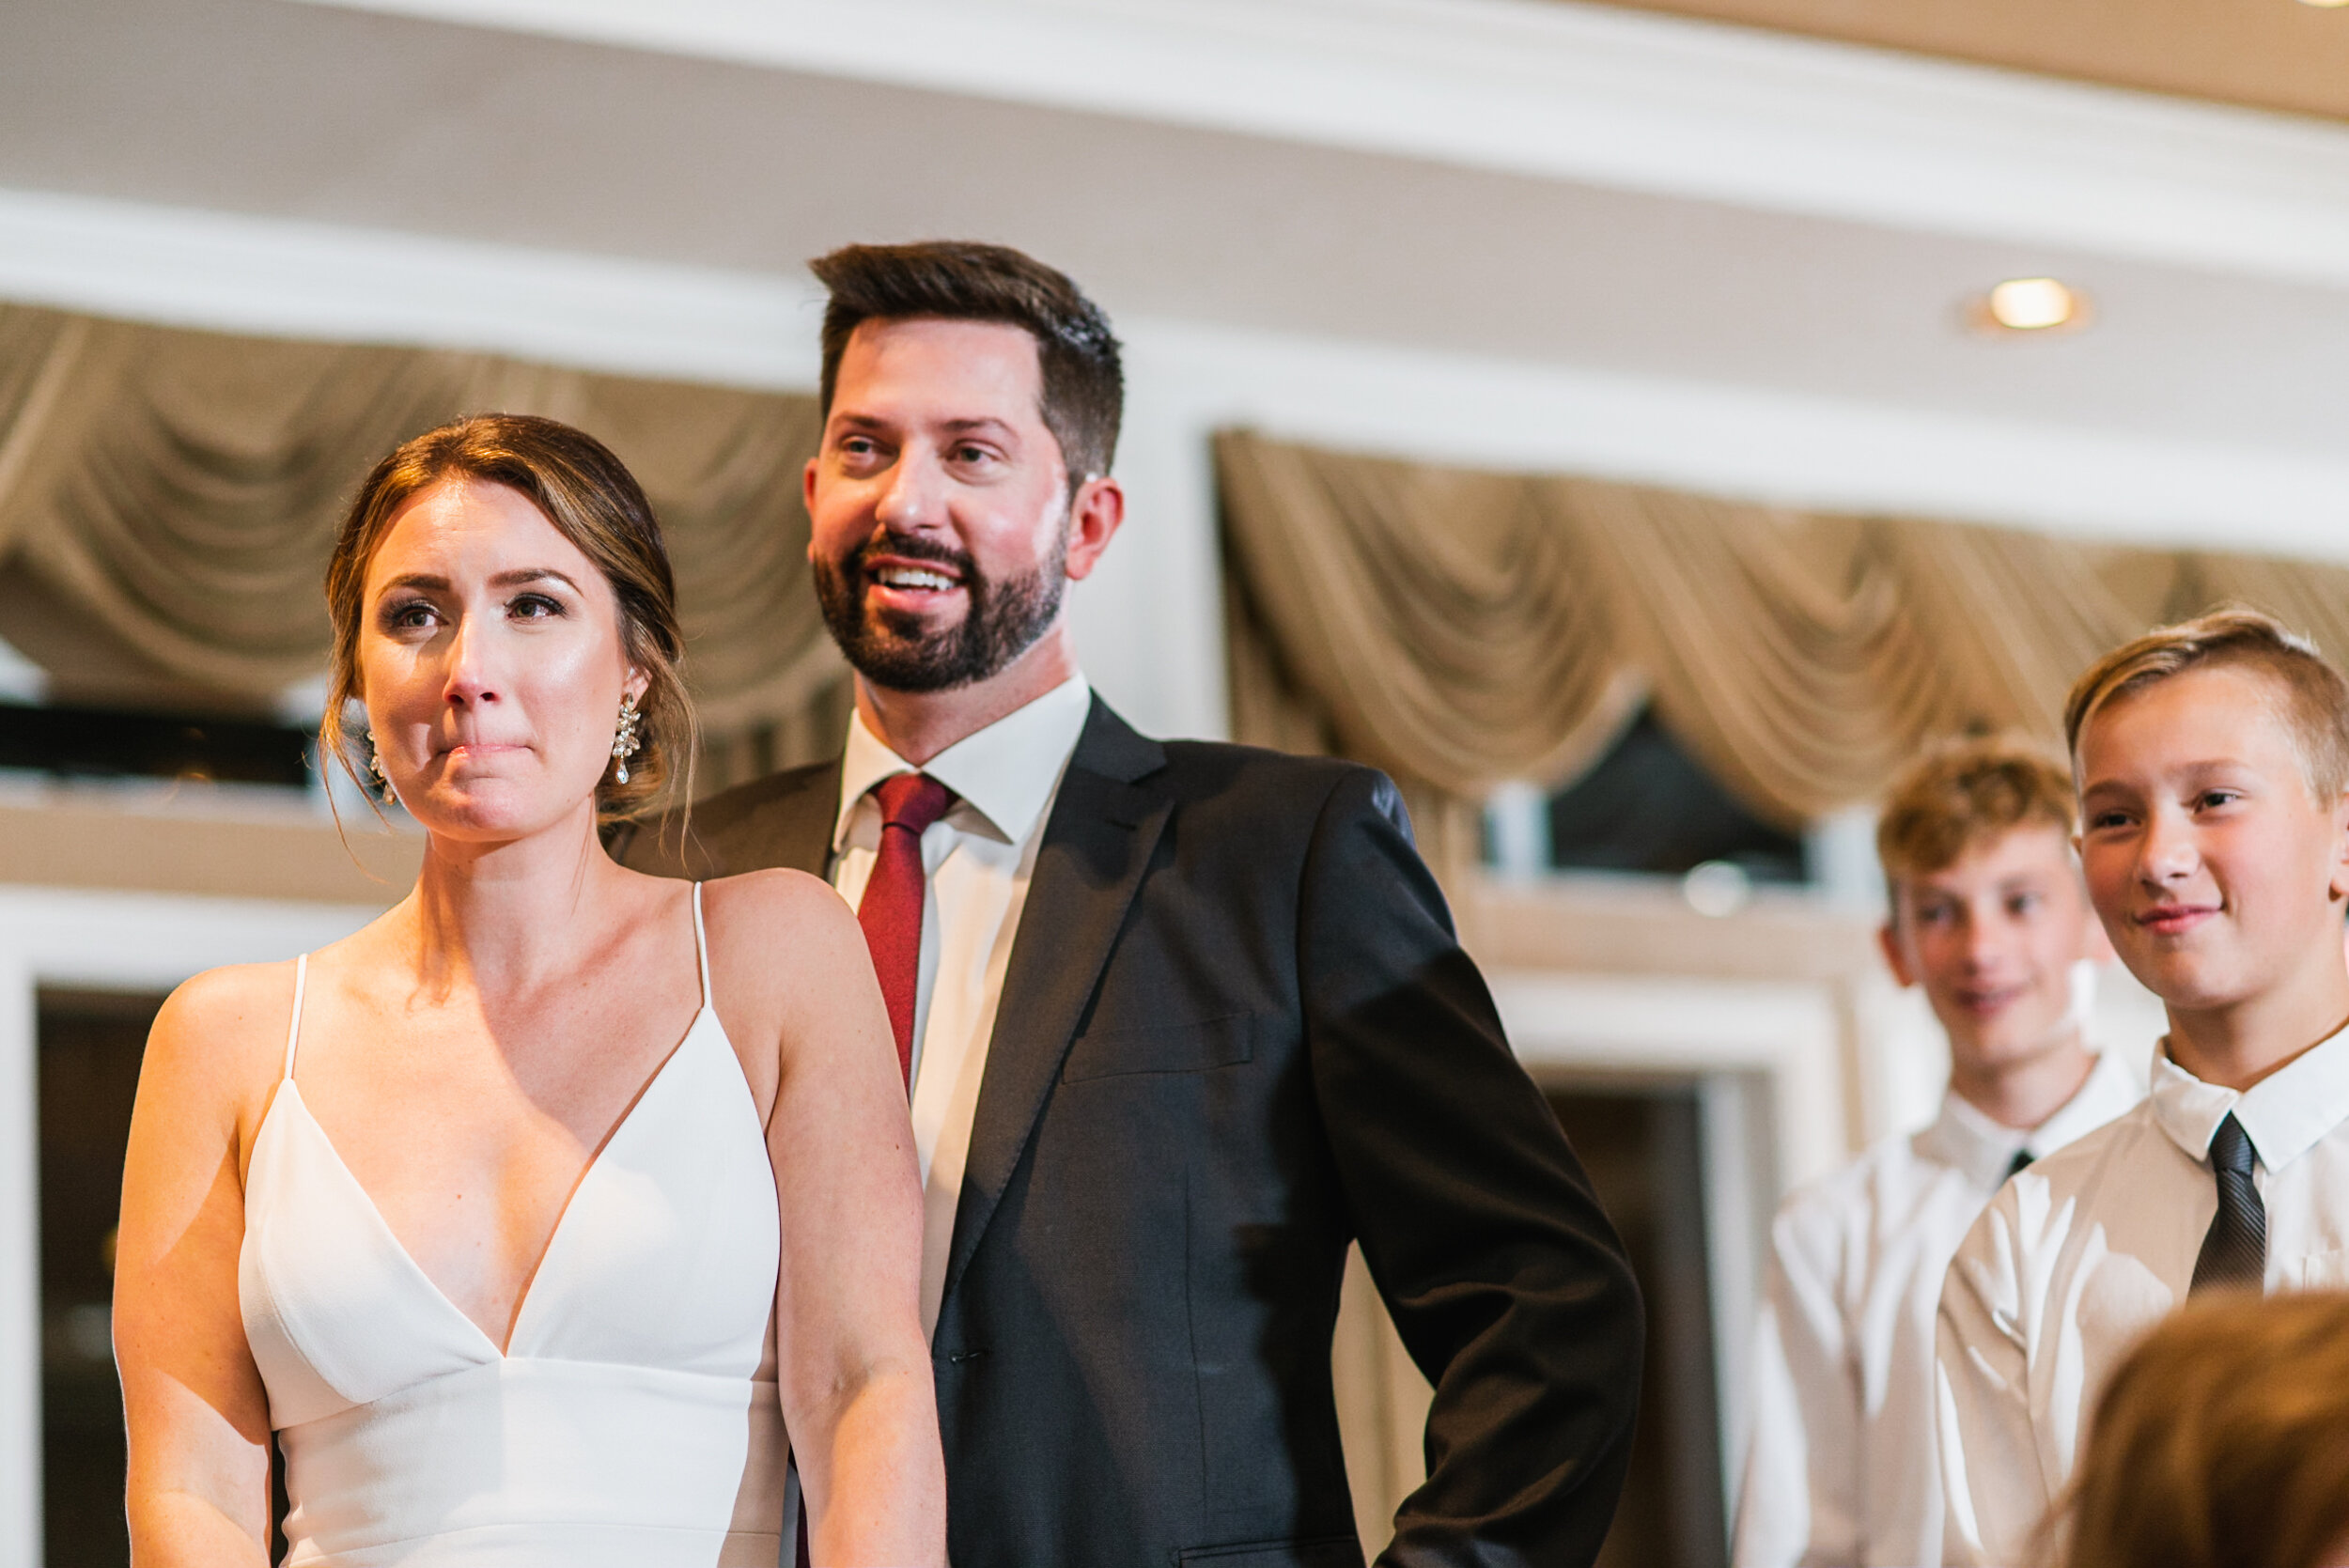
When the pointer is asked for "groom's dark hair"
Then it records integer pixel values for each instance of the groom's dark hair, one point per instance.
(1083, 383)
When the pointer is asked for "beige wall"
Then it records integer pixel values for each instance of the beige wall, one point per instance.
(74, 842)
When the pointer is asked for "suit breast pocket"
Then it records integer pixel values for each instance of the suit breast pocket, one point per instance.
(1189, 1048)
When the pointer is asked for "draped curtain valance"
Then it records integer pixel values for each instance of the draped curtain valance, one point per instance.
(177, 493)
(1460, 628)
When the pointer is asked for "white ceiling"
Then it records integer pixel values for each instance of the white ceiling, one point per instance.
(353, 117)
(1585, 93)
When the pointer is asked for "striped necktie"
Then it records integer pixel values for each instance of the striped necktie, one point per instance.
(2234, 1250)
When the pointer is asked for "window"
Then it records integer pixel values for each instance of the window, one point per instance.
(97, 742)
(1647, 808)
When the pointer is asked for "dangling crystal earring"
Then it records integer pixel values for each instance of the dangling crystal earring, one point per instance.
(625, 744)
(375, 761)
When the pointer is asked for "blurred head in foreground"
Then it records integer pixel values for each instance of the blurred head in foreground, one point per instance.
(2221, 1441)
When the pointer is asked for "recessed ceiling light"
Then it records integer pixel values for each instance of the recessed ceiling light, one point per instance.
(2325, 5)
(2034, 305)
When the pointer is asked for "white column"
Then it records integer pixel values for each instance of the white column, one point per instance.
(20, 1270)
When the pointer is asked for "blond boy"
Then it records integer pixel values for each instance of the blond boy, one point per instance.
(1988, 915)
(2215, 838)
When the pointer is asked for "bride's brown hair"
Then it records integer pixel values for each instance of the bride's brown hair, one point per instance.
(593, 501)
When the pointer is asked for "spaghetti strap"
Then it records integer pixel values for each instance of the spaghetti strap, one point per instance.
(701, 943)
(293, 1029)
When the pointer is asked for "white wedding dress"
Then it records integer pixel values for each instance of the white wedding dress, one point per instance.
(623, 1427)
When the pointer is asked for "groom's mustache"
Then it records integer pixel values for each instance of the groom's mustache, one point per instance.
(915, 549)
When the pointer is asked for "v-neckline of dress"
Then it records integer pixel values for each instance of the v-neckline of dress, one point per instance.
(562, 1220)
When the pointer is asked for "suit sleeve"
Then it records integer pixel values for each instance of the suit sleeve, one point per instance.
(1991, 1476)
(1503, 1277)
(1799, 1502)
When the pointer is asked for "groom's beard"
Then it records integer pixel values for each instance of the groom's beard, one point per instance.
(892, 650)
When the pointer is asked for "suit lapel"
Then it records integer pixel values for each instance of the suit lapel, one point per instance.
(1096, 845)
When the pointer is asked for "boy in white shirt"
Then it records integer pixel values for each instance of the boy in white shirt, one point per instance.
(2212, 759)
(1988, 914)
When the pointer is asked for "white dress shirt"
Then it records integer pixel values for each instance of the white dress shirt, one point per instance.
(976, 860)
(1840, 1468)
(2082, 1252)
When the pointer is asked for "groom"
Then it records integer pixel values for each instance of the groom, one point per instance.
(1180, 1019)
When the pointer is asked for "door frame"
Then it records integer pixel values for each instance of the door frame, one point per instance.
(96, 940)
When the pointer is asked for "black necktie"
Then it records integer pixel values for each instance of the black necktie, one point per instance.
(2022, 1158)
(2235, 1253)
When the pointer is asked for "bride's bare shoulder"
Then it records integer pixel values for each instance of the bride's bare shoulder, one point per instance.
(773, 902)
(231, 1001)
(223, 1032)
(782, 943)
(779, 926)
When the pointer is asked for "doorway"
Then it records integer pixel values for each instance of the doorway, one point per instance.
(90, 1044)
(1642, 1144)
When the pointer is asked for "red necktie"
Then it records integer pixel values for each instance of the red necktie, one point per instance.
(890, 912)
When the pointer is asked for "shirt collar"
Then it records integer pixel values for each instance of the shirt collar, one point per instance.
(1004, 773)
(1980, 1148)
(1984, 1150)
(2283, 1113)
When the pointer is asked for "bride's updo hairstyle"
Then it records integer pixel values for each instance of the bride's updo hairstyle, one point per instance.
(593, 501)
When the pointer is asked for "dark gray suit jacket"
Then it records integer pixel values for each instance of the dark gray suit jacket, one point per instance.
(1236, 1032)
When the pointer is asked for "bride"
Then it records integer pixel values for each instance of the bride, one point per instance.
(529, 1219)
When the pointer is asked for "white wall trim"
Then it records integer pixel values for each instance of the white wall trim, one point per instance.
(282, 277)
(19, 1271)
(1657, 103)
(109, 941)
(1736, 1221)
(1785, 1031)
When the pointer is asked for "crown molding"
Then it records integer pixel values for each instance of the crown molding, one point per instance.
(1662, 104)
(282, 277)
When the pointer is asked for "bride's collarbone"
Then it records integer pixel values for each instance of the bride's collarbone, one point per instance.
(469, 1129)
(574, 1059)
